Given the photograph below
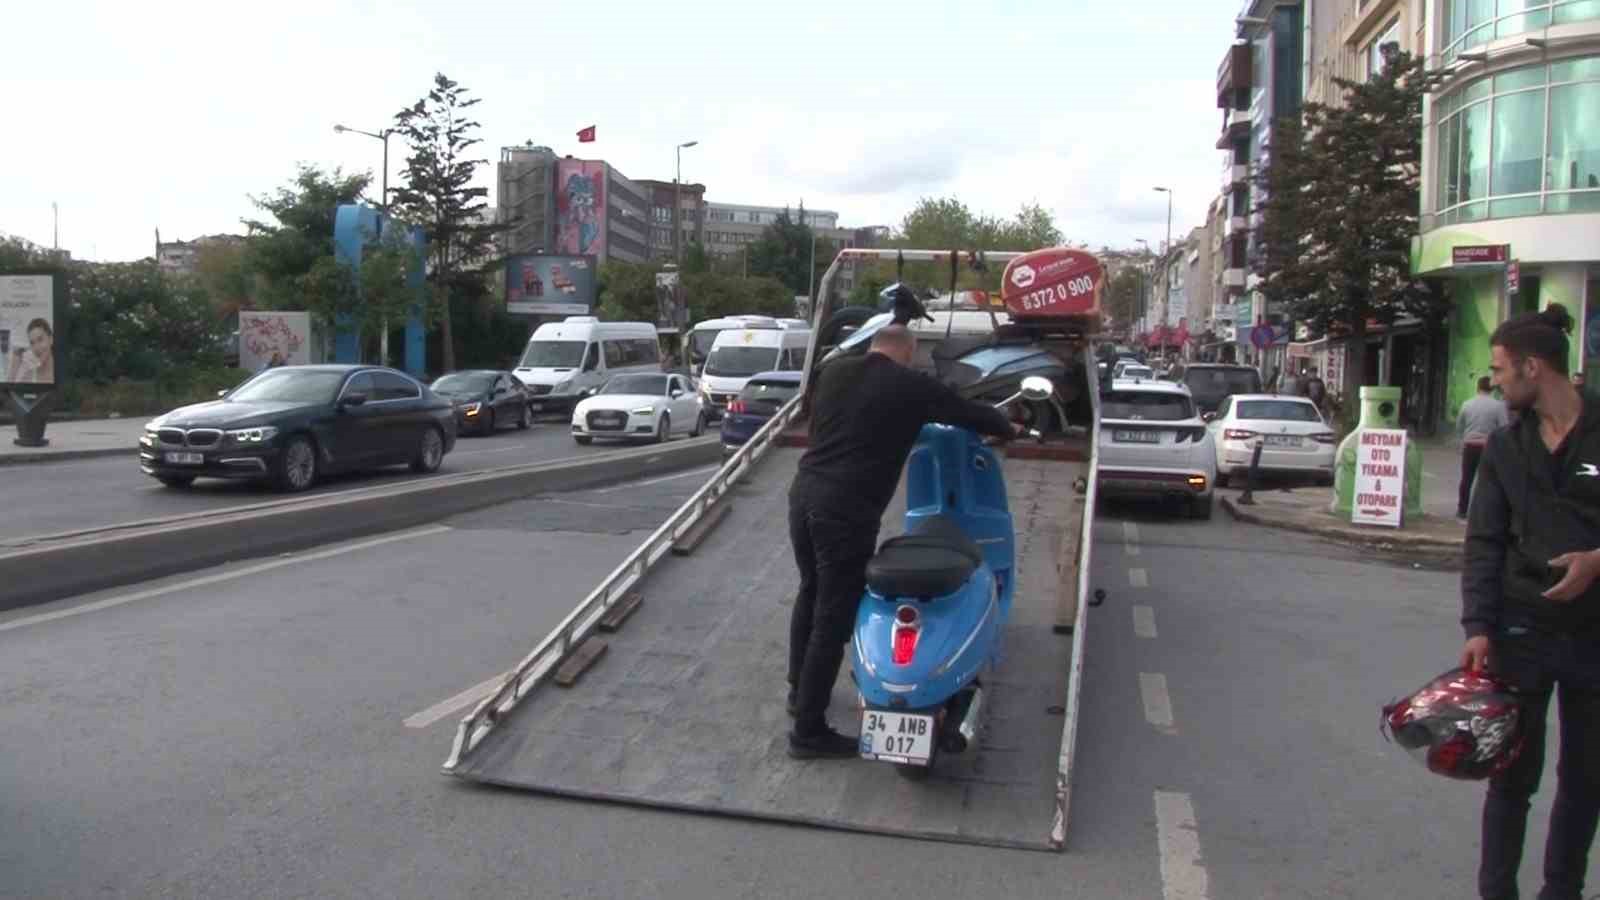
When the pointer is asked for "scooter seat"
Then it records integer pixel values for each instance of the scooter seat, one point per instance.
(935, 559)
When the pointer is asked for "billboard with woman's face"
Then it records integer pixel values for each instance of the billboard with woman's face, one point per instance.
(28, 330)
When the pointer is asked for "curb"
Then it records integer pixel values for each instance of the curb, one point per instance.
(81, 564)
(45, 456)
(1437, 550)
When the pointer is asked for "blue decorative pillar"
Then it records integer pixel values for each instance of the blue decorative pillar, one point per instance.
(355, 226)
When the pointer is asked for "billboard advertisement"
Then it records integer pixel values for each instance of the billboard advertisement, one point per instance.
(271, 339)
(581, 208)
(28, 330)
(544, 284)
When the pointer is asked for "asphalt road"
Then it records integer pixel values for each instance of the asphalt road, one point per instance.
(279, 733)
(51, 498)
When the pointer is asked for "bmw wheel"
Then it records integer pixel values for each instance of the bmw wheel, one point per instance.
(430, 452)
(297, 465)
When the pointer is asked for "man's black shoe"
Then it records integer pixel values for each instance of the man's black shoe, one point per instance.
(828, 744)
(794, 701)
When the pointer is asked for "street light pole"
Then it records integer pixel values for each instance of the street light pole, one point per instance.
(383, 335)
(677, 204)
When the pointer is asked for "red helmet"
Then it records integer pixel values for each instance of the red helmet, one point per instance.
(1465, 725)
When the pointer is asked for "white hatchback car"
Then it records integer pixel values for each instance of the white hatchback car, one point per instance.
(1154, 444)
(1293, 436)
(653, 407)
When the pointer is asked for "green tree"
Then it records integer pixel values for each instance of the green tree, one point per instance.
(438, 194)
(1359, 162)
(626, 292)
(784, 252)
(290, 260)
(695, 259)
(1122, 294)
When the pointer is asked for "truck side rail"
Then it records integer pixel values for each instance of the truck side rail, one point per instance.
(541, 663)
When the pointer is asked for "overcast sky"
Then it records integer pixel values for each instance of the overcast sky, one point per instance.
(138, 116)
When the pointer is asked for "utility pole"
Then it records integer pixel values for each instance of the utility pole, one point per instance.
(677, 204)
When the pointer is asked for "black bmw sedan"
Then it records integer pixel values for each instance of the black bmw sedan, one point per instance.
(292, 424)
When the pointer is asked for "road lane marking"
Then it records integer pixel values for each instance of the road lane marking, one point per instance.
(469, 697)
(1183, 875)
(1157, 702)
(649, 481)
(1138, 578)
(1130, 532)
(1144, 621)
(291, 560)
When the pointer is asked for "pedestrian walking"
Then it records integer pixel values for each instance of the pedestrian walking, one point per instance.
(1480, 417)
(866, 413)
(1530, 604)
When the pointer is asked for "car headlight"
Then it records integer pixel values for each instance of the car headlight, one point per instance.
(563, 387)
(252, 435)
(643, 411)
(471, 409)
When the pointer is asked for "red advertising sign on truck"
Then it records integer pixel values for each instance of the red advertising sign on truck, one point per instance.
(1053, 283)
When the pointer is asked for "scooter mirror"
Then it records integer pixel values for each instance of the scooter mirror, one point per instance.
(1036, 388)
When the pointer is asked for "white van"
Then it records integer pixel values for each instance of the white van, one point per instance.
(568, 360)
(739, 353)
(704, 334)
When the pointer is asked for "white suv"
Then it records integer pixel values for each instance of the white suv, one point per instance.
(1153, 443)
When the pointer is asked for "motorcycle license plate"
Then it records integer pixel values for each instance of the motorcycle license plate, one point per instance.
(896, 737)
(185, 459)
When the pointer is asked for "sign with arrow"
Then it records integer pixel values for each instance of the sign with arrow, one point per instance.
(1380, 477)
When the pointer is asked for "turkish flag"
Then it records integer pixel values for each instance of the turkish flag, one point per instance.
(586, 135)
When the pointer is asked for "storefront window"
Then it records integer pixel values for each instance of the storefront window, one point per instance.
(1495, 142)
(1473, 22)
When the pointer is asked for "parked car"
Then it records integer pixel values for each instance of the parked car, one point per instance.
(635, 406)
(763, 395)
(1210, 383)
(1153, 443)
(293, 424)
(485, 399)
(1293, 436)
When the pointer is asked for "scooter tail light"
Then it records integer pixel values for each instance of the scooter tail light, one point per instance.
(905, 645)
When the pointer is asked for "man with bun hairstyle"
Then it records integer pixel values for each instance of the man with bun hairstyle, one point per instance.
(1530, 604)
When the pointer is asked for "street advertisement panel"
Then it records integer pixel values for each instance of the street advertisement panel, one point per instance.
(1380, 477)
(671, 313)
(28, 330)
(271, 339)
(1054, 282)
(547, 284)
(581, 208)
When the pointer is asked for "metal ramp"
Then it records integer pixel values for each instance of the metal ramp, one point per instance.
(685, 710)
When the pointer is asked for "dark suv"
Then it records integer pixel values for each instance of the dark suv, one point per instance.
(1210, 383)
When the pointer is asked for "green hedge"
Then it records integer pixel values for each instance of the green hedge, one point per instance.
(125, 397)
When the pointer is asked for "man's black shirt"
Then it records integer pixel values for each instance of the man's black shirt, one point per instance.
(865, 416)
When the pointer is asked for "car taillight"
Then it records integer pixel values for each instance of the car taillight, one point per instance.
(1237, 434)
(1324, 438)
(736, 406)
(906, 631)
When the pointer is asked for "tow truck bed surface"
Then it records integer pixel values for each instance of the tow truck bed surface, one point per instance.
(686, 709)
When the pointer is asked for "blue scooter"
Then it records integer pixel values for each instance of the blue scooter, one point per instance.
(937, 598)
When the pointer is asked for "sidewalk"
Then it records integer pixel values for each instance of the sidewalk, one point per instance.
(81, 439)
(1435, 538)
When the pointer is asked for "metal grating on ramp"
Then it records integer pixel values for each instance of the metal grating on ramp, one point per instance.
(686, 710)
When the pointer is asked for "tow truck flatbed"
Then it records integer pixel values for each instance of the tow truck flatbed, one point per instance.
(682, 706)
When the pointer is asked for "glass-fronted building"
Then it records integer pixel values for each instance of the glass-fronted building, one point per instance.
(1511, 164)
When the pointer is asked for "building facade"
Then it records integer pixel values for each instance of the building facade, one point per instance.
(565, 205)
(690, 219)
(1511, 163)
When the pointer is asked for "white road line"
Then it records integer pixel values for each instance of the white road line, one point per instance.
(1130, 549)
(1183, 876)
(1144, 621)
(469, 697)
(1130, 532)
(1157, 703)
(1138, 578)
(292, 560)
(634, 484)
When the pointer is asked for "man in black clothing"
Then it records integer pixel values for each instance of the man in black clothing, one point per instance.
(865, 416)
(1531, 607)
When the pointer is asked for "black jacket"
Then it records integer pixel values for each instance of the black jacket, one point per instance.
(1522, 517)
(865, 415)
